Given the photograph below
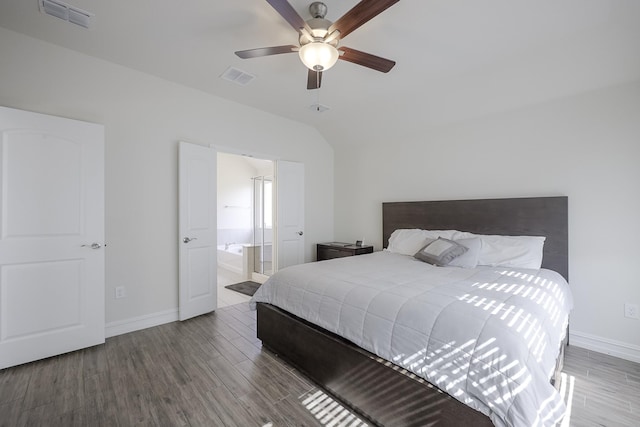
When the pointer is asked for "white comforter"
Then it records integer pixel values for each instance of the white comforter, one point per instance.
(488, 336)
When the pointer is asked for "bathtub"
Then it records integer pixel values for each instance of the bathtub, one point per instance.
(231, 257)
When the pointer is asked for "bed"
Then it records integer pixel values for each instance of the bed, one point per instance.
(401, 375)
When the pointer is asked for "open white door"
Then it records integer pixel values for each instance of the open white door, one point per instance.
(197, 230)
(289, 213)
(51, 237)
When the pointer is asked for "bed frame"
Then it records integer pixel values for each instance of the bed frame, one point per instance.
(379, 391)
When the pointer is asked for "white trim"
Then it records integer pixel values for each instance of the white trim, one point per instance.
(242, 152)
(605, 345)
(142, 322)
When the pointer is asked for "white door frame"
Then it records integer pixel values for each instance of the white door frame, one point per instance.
(183, 291)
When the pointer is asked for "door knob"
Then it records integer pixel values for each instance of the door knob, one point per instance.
(300, 233)
(92, 246)
(188, 239)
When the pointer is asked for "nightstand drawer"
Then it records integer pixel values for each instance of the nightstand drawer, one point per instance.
(333, 250)
(330, 253)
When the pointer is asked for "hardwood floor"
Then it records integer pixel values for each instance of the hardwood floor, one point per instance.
(211, 371)
(606, 391)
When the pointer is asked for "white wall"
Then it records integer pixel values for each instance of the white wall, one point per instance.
(144, 118)
(585, 147)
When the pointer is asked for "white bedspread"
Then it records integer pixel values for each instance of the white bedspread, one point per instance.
(488, 336)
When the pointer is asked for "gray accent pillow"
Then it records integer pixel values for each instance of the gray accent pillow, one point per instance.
(440, 252)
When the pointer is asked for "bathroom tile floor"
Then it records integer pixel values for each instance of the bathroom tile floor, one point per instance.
(227, 297)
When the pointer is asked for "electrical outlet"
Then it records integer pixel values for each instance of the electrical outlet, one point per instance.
(120, 292)
(631, 311)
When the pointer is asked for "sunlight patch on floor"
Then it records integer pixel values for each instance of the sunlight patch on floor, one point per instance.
(329, 412)
(567, 384)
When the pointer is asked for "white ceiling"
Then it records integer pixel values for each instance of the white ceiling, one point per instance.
(456, 59)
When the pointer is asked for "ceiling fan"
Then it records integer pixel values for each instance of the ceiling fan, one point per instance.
(319, 38)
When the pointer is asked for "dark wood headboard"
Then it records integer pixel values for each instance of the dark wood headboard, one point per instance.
(534, 216)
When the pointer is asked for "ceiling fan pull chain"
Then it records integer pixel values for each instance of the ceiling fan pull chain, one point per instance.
(318, 92)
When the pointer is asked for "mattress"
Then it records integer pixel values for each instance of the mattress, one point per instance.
(488, 336)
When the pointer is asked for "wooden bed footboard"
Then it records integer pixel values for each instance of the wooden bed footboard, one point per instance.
(368, 385)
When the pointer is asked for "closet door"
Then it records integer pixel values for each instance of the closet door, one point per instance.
(51, 236)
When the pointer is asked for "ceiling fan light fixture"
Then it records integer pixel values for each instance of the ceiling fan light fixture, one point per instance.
(318, 56)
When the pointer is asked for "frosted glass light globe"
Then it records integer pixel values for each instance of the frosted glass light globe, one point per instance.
(318, 56)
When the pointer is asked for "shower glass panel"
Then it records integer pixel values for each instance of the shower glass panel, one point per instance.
(263, 225)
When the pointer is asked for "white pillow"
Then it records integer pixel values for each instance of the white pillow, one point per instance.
(444, 234)
(469, 259)
(508, 251)
(408, 241)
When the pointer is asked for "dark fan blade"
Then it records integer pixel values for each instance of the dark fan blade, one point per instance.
(360, 14)
(284, 8)
(314, 79)
(266, 51)
(366, 59)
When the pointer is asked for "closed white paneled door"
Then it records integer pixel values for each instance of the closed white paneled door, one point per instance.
(51, 236)
(289, 213)
(197, 230)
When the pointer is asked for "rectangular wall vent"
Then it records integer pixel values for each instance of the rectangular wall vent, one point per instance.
(66, 12)
(237, 76)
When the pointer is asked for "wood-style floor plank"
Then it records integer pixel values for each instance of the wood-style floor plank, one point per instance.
(14, 383)
(603, 394)
(212, 371)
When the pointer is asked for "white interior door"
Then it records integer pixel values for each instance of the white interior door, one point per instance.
(197, 230)
(51, 237)
(289, 213)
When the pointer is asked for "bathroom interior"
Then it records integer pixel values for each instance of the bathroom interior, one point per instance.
(245, 223)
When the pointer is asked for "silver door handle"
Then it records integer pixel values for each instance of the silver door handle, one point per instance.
(300, 233)
(188, 239)
(92, 246)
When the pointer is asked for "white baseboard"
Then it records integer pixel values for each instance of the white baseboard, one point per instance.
(138, 323)
(604, 345)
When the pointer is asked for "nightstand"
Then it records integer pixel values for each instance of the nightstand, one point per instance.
(338, 250)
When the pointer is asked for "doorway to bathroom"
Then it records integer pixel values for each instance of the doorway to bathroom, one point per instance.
(245, 223)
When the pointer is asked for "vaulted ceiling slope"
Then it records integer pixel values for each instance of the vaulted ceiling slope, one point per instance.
(456, 59)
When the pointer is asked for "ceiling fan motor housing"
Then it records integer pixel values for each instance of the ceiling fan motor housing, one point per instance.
(319, 28)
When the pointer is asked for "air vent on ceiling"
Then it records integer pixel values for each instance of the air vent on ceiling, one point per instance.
(66, 12)
(237, 76)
